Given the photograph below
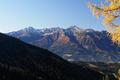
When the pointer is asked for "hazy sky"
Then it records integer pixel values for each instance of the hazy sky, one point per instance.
(18, 14)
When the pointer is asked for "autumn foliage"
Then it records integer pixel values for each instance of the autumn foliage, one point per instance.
(109, 10)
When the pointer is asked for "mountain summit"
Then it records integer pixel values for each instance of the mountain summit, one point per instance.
(73, 43)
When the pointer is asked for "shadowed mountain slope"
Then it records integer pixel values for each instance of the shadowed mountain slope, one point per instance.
(21, 61)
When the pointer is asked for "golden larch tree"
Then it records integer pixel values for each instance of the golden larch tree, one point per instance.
(110, 11)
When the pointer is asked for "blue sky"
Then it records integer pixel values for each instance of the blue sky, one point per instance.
(18, 14)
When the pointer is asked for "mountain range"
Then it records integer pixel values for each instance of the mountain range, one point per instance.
(22, 61)
(73, 43)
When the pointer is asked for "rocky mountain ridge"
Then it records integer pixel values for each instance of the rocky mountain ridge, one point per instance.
(73, 43)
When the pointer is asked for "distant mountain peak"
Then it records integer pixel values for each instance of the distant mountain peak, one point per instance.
(74, 27)
(29, 29)
(89, 30)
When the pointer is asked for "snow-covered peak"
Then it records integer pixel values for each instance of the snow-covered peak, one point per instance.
(89, 30)
(74, 29)
(29, 29)
(51, 30)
